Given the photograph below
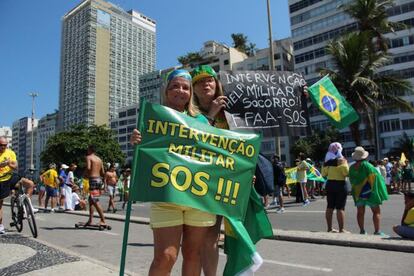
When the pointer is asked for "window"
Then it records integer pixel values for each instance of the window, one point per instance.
(407, 124)
(131, 112)
(390, 125)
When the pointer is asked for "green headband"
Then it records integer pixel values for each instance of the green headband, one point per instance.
(203, 71)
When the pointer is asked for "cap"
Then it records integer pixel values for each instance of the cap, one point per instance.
(64, 166)
(203, 71)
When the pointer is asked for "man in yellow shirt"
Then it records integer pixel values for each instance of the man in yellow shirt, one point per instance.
(51, 180)
(8, 164)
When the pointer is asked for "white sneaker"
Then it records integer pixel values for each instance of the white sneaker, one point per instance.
(35, 210)
(280, 210)
(2, 231)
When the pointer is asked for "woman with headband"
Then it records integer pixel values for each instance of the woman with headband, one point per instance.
(174, 224)
(210, 100)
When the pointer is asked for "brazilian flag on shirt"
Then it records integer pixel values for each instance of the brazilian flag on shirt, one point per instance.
(325, 95)
(368, 185)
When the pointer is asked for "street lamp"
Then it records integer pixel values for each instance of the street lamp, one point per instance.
(269, 23)
(33, 95)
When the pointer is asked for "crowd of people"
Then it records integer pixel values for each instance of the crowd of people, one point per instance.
(65, 191)
(199, 94)
(369, 183)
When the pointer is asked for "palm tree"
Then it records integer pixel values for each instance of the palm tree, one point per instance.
(403, 144)
(189, 58)
(372, 18)
(355, 74)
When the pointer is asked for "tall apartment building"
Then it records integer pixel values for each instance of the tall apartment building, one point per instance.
(20, 142)
(314, 23)
(45, 129)
(104, 51)
(150, 86)
(6, 131)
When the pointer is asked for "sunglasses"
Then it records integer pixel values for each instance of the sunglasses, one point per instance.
(3, 145)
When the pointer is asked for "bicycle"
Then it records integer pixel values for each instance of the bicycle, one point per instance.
(21, 209)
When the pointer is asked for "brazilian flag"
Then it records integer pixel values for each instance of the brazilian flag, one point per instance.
(325, 95)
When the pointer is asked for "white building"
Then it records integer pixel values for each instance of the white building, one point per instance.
(20, 143)
(46, 128)
(218, 56)
(6, 131)
(123, 126)
(104, 51)
(314, 23)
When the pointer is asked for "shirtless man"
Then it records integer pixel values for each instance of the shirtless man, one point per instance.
(95, 172)
(110, 181)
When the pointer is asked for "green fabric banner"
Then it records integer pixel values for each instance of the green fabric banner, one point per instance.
(368, 185)
(327, 98)
(184, 161)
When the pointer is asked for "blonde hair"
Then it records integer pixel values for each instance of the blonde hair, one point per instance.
(190, 107)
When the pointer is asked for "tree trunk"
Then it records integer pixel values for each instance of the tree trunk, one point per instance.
(355, 132)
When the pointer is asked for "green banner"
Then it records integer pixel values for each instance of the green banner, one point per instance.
(327, 98)
(184, 161)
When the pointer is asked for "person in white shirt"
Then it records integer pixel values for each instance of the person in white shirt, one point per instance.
(77, 203)
(69, 183)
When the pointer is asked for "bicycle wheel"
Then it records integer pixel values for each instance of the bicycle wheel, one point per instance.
(15, 214)
(30, 217)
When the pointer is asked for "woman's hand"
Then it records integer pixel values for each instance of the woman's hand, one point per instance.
(136, 137)
(306, 91)
(216, 106)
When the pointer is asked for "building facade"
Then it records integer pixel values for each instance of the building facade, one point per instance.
(6, 131)
(314, 23)
(219, 56)
(123, 126)
(104, 50)
(20, 142)
(46, 128)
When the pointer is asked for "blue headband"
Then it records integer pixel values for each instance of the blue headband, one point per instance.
(179, 73)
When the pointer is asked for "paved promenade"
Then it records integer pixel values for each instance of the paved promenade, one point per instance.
(27, 256)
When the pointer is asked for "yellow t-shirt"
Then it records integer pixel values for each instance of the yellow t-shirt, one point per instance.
(50, 178)
(6, 172)
(409, 219)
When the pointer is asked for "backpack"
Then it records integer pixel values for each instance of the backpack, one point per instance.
(264, 184)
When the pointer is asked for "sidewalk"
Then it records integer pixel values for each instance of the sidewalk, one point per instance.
(352, 240)
(37, 258)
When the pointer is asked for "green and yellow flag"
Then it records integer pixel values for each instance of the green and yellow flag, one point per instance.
(325, 95)
(312, 173)
(368, 186)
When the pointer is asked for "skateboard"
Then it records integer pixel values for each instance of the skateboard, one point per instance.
(92, 226)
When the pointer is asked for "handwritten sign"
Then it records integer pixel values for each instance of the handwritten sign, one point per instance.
(265, 100)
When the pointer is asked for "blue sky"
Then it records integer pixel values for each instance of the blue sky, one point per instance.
(30, 40)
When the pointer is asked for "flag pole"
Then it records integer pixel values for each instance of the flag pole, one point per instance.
(125, 241)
